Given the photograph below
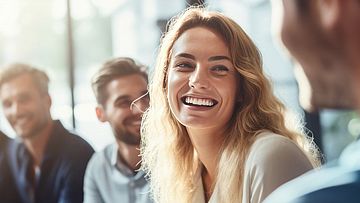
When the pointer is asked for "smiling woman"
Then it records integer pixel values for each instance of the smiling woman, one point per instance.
(201, 87)
(214, 131)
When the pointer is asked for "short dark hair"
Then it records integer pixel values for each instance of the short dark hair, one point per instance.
(39, 77)
(113, 69)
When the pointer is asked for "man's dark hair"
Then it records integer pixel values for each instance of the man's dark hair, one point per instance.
(113, 69)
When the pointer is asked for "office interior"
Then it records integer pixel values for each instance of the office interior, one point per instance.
(70, 39)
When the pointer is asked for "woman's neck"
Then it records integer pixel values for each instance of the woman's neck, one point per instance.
(207, 184)
(207, 145)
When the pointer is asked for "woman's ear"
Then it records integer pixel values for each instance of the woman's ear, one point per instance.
(100, 113)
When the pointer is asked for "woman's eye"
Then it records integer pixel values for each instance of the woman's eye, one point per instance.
(184, 67)
(220, 70)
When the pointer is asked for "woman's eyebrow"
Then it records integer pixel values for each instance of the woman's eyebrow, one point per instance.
(186, 55)
(216, 58)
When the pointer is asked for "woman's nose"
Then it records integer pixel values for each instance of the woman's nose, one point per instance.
(199, 78)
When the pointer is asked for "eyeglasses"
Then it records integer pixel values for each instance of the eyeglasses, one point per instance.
(140, 104)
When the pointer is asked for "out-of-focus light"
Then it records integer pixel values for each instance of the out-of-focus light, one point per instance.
(106, 7)
(61, 112)
(85, 112)
(81, 9)
(9, 13)
(59, 9)
(354, 127)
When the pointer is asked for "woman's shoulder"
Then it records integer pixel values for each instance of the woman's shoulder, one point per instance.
(270, 148)
(268, 139)
(272, 160)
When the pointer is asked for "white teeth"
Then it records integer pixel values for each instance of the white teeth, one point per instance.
(196, 101)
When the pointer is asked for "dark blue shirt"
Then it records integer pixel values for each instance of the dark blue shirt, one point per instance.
(61, 171)
(7, 184)
(3, 139)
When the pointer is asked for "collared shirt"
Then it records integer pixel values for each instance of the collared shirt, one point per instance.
(108, 181)
(61, 173)
(337, 182)
(272, 161)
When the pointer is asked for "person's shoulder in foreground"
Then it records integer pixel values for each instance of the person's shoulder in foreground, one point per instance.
(323, 36)
(273, 160)
(339, 183)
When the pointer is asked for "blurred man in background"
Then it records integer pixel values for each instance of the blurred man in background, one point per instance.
(324, 37)
(112, 175)
(46, 161)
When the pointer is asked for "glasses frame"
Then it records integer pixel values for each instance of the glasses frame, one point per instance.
(133, 103)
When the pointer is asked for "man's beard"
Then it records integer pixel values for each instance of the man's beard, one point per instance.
(125, 136)
(32, 131)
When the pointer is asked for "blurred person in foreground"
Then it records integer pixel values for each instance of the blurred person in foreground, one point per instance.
(323, 36)
(214, 131)
(113, 175)
(46, 161)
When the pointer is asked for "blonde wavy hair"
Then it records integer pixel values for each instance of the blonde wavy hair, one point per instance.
(168, 155)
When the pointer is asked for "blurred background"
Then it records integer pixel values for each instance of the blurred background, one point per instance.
(70, 39)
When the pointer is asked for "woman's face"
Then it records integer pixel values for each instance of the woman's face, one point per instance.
(202, 82)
